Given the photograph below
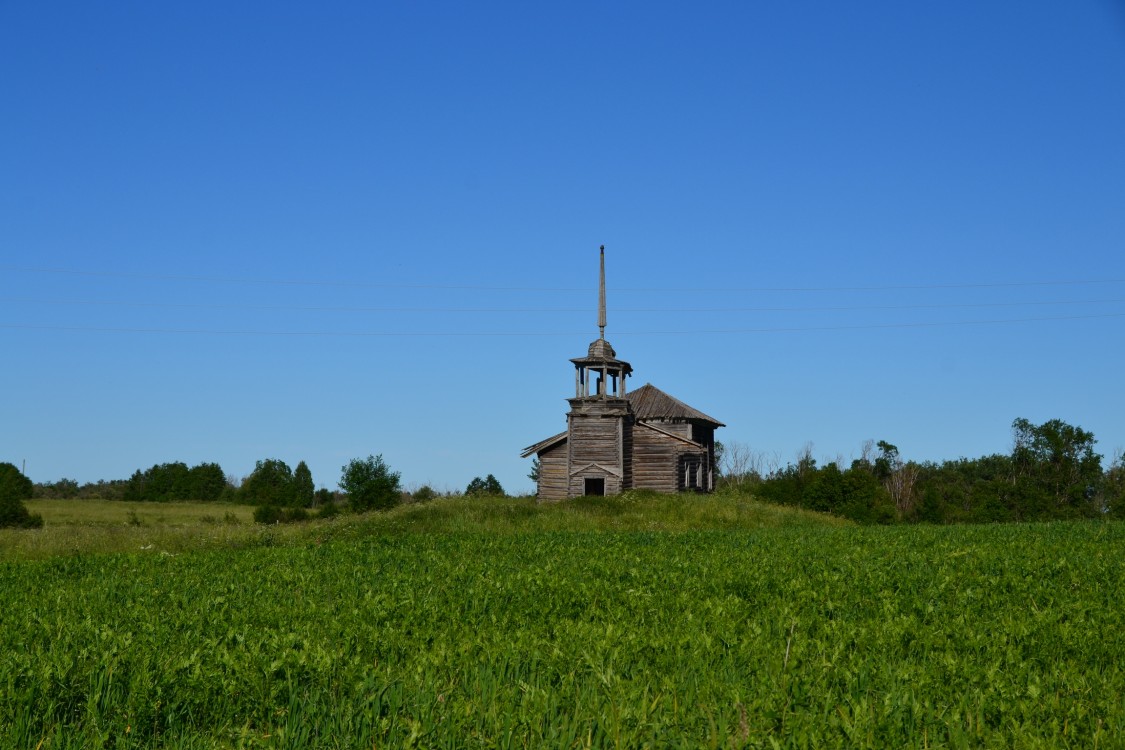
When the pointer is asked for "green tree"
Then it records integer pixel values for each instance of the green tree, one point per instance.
(533, 475)
(370, 484)
(207, 482)
(14, 489)
(888, 461)
(165, 482)
(487, 486)
(60, 490)
(271, 483)
(865, 499)
(825, 490)
(303, 488)
(1059, 462)
(898, 479)
(1113, 502)
(135, 486)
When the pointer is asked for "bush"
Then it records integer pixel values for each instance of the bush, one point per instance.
(292, 515)
(423, 494)
(487, 486)
(267, 514)
(274, 514)
(328, 510)
(370, 484)
(14, 489)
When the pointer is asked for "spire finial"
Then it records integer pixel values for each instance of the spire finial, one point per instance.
(601, 297)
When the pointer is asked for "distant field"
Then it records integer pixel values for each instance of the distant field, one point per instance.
(109, 526)
(458, 625)
(73, 527)
(122, 513)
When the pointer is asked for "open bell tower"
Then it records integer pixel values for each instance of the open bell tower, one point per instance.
(600, 421)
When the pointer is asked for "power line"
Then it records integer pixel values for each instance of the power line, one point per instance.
(530, 334)
(353, 308)
(493, 288)
(280, 282)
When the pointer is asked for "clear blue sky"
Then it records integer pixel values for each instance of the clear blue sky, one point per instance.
(235, 231)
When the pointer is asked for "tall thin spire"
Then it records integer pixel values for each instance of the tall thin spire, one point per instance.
(601, 297)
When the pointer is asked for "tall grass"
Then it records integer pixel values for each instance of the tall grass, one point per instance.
(75, 527)
(631, 511)
(79, 527)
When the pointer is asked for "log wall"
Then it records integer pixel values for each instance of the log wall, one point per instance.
(676, 427)
(594, 439)
(578, 481)
(604, 441)
(656, 460)
(596, 435)
(552, 473)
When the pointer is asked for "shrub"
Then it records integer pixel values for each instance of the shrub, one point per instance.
(14, 489)
(487, 486)
(275, 514)
(292, 515)
(267, 514)
(370, 484)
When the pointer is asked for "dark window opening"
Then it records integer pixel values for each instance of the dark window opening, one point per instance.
(595, 487)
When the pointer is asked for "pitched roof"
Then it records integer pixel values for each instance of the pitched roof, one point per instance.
(543, 445)
(649, 402)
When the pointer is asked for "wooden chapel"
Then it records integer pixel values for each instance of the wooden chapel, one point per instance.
(617, 439)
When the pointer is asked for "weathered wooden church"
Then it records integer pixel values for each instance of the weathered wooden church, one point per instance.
(617, 439)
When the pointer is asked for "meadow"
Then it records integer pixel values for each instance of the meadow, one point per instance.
(615, 622)
(76, 527)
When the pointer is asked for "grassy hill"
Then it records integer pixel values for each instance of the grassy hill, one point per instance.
(111, 526)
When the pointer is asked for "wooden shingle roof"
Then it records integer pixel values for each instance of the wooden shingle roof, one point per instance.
(543, 445)
(649, 402)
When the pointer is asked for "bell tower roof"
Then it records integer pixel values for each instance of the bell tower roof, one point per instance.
(602, 348)
(601, 363)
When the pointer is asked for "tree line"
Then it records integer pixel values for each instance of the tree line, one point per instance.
(271, 482)
(281, 494)
(1052, 472)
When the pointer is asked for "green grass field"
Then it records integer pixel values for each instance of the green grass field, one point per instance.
(122, 513)
(75, 527)
(683, 622)
(99, 526)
